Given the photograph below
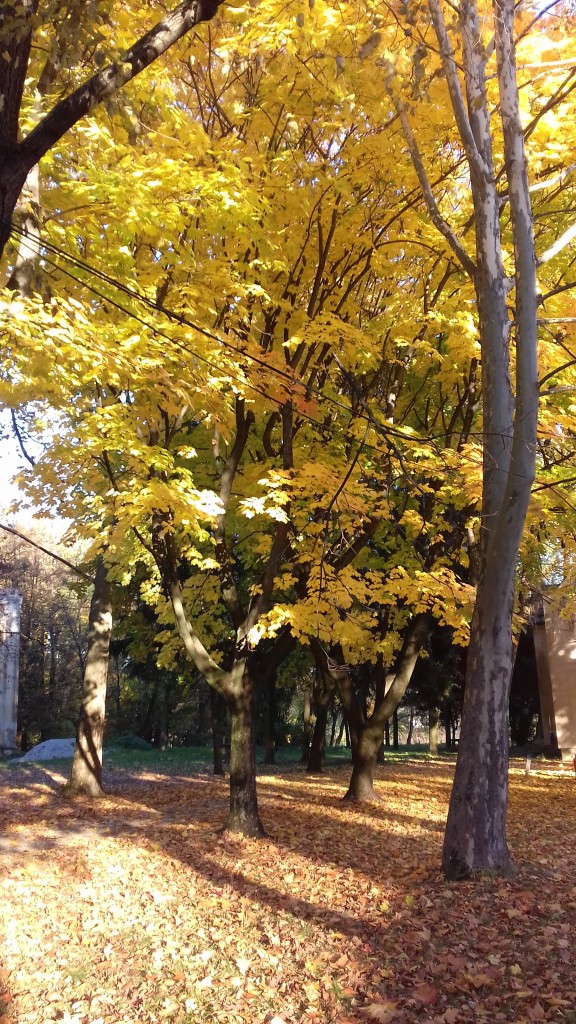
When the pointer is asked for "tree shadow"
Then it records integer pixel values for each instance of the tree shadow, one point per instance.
(181, 820)
(368, 874)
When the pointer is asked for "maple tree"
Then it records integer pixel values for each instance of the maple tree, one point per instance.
(262, 356)
(367, 729)
(320, 524)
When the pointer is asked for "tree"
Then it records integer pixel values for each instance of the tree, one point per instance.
(367, 728)
(476, 829)
(180, 460)
(17, 36)
(263, 358)
(53, 627)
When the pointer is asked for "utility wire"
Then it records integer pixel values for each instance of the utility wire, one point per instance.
(52, 554)
(385, 430)
(286, 377)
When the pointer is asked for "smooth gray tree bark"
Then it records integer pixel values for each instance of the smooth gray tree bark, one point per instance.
(475, 837)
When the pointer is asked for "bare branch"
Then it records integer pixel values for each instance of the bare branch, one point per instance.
(29, 458)
(51, 554)
(436, 217)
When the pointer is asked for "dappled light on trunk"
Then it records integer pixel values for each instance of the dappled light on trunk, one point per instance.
(86, 772)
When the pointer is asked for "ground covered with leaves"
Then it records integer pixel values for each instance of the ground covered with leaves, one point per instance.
(134, 908)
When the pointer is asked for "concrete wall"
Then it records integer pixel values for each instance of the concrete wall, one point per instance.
(555, 645)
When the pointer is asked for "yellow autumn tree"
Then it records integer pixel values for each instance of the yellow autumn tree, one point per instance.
(261, 352)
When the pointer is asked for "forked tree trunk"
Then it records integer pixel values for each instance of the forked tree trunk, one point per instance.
(243, 816)
(361, 785)
(475, 838)
(369, 731)
(86, 772)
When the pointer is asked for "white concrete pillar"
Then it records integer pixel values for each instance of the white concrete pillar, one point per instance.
(10, 601)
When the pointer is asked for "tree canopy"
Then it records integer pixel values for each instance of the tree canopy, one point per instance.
(243, 310)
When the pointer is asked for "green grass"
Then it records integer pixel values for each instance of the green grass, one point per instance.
(183, 760)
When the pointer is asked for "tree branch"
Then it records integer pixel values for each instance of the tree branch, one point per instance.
(144, 52)
(414, 639)
(558, 245)
(165, 557)
(51, 554)
(436, 217)
(230, 593)
(458, 106)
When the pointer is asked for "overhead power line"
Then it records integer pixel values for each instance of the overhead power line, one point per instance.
(52, 554)
(287, 378)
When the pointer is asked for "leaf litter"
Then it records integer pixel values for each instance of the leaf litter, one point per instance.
(135, 907)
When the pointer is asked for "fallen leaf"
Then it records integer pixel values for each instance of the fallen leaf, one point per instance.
(381, 1012)
(427, 994)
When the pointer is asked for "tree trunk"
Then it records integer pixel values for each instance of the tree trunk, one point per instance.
(270, 741)
(215, 723)
(318, 744)
(395, 741)
(387, 733)
(118, 690)
(147, 725)
(448, 730)
(369, 732)
(361, 786)
(162, 719)
(475, 838)
(86, 772)
(306, 729)
(410, 728)
(433, 718)
(333, 727)
(243, 816)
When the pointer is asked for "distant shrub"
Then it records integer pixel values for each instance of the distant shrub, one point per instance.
(61, 730)
(130, 742)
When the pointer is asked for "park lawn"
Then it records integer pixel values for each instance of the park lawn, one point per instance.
(135, 908)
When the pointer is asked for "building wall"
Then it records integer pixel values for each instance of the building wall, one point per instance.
(555, 644)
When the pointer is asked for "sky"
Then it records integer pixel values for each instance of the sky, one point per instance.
(11, 462)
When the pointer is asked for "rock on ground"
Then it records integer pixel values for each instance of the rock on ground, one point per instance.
(50, 749)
